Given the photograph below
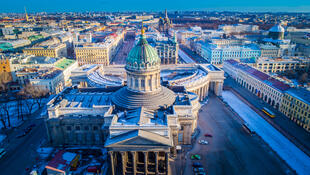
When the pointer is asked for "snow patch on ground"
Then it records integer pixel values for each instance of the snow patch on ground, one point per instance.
(291, 154)
(44, 152)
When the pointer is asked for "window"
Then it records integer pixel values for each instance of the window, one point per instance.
(77, 128)
(86, 128)
(68, 128)
(95, 128)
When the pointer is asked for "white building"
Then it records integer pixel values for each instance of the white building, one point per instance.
(217, 55)
(261, 84)
(239, 28)
(49, 79)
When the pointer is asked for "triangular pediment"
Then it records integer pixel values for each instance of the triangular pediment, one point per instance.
(138, 138)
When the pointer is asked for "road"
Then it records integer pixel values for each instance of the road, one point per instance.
(194, 56)
(21, 152)
(121, 55)
(231, 150)
(295, 133)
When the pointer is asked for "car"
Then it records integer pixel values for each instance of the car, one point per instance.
(208, 135)
(196, 164)
(2, 152)
(27, 130)
(195, 157)
(203, 142)
(21, 135)
(32, 125)
(200, 173)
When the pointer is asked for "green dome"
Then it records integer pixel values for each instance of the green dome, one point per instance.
(142, 56)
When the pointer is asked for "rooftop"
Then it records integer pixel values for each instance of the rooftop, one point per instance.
(300, 93)
(64, 63)
(260, 75)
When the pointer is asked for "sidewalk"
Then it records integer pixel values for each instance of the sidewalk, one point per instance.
(296, 134)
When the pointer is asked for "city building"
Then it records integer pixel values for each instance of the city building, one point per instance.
(57, 50)
(4, 64)
(269, 51)
(261, 84)
(168, 51)
(283, 64)
(276, 32)
(99, 53)
(92, 53)
(164, 24)
(50, 79)
(238, 28)
(296, 106)
(140, 123)
(217, 55)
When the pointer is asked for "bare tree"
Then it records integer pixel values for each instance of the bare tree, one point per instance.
(5, 78)
(303, 78)
(33, 94)
(5, 110)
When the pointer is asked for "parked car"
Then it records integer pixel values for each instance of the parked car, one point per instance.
(2, 152)
(196, 164)
(203, 142)
(208, 135)
(195, 157)
(21, 135)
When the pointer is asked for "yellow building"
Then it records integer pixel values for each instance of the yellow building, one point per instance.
(296, 106)
(57, 50)
(92, 54)
(4, 65)
(270, 65)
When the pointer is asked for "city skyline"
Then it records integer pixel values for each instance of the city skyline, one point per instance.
(138, 5)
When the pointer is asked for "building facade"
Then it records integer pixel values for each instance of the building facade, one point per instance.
(164, 24)
(92, 54)
(296, 106)
(270, 65)
(58, 50)
(217, 55)
(168, 51)
(261, 84)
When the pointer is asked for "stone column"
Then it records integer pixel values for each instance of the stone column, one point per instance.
(112, 163)
(145, 162)
(123, 163)
(134, 162)
(167, 163)
(156, 163)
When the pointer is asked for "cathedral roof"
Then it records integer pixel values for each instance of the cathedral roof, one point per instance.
(277, 28)
(143, 56)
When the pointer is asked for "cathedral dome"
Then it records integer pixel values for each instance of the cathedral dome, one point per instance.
(277, 28)
(142, 56)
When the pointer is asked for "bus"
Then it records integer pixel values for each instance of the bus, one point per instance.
(268, 112)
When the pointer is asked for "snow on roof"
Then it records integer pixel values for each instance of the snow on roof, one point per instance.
(61, 161)
(260, 75)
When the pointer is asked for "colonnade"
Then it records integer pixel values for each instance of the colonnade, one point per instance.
(139, 162)
(203, 91)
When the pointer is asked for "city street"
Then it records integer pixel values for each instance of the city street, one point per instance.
(291, 130)
(121, 55)
(231, 150)
(197, 58)
(21, 152)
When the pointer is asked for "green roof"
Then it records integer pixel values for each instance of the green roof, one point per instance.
(5, 46)
(64, 63)
(142, 55)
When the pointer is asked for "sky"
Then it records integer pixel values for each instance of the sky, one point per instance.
(154, 5)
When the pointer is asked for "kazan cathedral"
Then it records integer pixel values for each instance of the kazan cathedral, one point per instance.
(140, 123)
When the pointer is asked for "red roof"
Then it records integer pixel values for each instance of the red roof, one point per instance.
(260, 75)
(61, 161)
